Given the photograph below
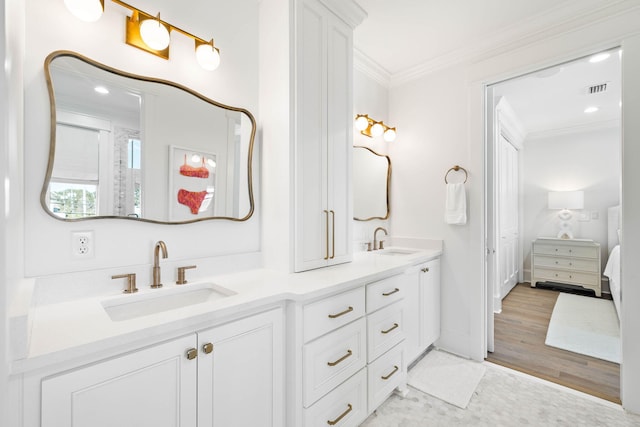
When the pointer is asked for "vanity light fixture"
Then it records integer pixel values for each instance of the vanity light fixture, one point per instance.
(148, 32)
(369, 127)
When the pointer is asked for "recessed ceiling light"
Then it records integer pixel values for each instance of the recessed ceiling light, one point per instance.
(591, 109)
(101, 90)
(599, 57)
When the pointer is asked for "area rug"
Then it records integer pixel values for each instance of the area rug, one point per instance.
(585, 325)
(447, 377)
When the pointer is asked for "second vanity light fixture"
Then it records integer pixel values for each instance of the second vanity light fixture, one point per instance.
(147, 32)
(369, 127)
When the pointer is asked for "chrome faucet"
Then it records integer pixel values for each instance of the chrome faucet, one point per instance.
(375, 239)
(156, 263)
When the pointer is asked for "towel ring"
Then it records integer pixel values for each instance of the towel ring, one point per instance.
(456, 168)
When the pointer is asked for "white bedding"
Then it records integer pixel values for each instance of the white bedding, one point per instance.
(612, 271)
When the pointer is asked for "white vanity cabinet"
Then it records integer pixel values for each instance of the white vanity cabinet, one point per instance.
(229, 375)
(422, 307)
(323, 137)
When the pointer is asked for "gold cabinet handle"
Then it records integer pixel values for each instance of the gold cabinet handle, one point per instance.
(386, 377)
(349, 353)
(395, 325)
(342, 313)
(425, 270)
(192, 353)
(386, 294)
(333, 234)
(344, 414)
(326, 214)
(207, 348)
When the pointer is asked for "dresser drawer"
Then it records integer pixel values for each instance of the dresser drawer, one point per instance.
(385, 374)
(332, 359)
(346, 406)
(567, 276)
(586, 265)
(566, 250)
(330, 313)
(385, 292)
(385, 328)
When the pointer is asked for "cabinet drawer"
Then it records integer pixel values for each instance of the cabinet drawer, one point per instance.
(575, 264)
(385, 328)
(385, 374)
(333, 358)
(562, 250)
(330, 313)
(385, 292)
(346, 406)
(567, 276)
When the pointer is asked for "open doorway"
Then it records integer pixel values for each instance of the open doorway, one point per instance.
(552, 135)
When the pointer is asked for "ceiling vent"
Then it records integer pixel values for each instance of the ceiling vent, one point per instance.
(594, 89)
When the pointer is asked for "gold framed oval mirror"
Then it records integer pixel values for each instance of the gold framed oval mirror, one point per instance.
(371, 184)
(141, 148)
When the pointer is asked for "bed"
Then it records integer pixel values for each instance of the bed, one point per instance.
(612, 269)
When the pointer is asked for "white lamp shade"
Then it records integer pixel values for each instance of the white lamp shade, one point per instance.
(362, 123)
(389, 135)
(566, 200)
(154, 34)
(85, 10)
(377, 129)
(208, 57)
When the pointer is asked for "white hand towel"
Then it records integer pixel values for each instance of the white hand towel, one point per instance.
(456, 205)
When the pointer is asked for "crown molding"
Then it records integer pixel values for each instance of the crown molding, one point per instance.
(370, 68)
(553, 22)
(573, 128)
(348, 10)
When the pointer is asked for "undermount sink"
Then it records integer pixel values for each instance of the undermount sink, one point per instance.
(126, 307)
(397, 251)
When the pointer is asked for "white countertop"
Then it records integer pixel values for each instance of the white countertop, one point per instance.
(80, 329)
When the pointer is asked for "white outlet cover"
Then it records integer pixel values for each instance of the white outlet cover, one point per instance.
(82, 244)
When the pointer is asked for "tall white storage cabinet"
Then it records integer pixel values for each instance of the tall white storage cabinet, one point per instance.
(323, 110)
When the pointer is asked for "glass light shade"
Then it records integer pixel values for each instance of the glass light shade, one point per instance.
(208, 56)
(85, 10)
(362, 122)
(566, 200)
(377, 129)
(154, 34)
(389, 135)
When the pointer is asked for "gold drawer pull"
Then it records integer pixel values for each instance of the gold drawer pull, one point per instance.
(395, 325)
(349, 353)
(342, 313)
(425, 270)
(344, 414)
(386, 377)
(326, 213)
(386, 294)
(192, 353)
(207, 348)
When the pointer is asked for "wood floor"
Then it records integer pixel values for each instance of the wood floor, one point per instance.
(520, 331)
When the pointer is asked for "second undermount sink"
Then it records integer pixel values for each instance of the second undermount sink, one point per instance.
(397, 251)
(126, 307)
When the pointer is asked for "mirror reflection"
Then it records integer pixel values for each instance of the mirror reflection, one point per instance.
(371, 180)
(135, 147)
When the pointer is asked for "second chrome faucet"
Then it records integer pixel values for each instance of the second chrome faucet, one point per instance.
(160, 246)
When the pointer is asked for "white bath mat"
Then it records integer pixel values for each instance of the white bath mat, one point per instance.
(447, 377)
(585, 325)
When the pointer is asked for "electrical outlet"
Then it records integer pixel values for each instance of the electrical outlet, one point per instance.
(82, 244)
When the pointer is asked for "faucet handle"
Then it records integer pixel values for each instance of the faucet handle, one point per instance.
(381, 244)
(131, 282)
(181, 274)
(368, 246)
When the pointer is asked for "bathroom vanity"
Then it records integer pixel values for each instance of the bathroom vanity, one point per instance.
(252, 348)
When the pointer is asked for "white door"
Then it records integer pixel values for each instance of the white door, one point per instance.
(151, 387)
(508, 214)
(240, 373)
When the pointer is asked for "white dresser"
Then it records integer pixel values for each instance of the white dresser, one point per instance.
(568, 261)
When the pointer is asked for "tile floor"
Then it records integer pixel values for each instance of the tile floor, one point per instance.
(503, 398)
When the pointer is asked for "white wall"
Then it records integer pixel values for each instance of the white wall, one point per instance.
(371, 97)
(49, 27)
(588, 161)
(442, 120)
